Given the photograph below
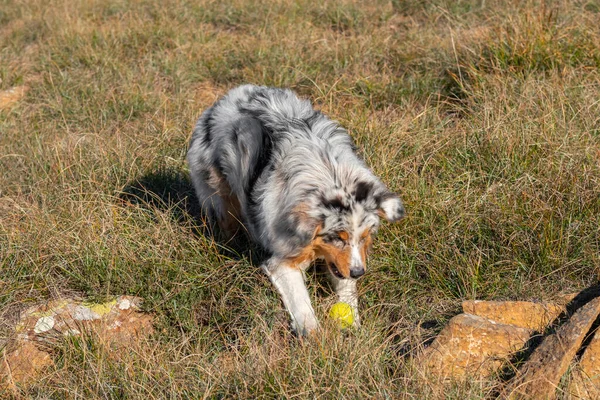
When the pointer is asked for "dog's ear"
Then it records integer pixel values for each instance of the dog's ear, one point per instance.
(304, 223)
(390, 207)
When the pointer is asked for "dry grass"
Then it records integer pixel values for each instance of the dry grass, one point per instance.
(484, 115)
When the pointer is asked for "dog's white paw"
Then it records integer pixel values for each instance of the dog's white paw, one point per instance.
(305, 325)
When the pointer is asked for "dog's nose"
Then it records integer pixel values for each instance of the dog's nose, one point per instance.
(357, 272)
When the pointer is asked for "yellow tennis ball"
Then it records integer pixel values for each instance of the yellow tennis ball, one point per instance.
(343, 313)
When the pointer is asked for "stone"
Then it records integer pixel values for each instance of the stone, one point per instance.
(12, 95)
(539, 377)
(534, 316)
(590, 361)
(585, 379)
(472, 345)
(118, 323)
(23, 364)
(565, 299)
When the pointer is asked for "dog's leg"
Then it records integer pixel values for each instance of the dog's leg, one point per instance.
(289, 281)
(210, 201)
(217, 200)
(347, 293)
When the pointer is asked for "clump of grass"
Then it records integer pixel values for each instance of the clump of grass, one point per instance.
(484, 116)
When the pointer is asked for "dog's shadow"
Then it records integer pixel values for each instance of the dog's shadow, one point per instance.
(170, 190)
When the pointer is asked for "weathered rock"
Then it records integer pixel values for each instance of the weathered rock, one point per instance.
(534, 316)
(117, 322)
(585, 379)
(24, 363)
(472, 345)
(565, 299)
(12, 95)
(590, 361)
(540, 375)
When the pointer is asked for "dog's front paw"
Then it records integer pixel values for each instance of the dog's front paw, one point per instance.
(306, 325)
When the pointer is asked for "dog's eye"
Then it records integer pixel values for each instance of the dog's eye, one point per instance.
(343, 235)
(366, 234)
(336, 238)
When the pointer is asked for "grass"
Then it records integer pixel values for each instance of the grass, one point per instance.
(484, 115)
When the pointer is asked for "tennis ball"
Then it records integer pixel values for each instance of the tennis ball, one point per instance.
(343, 313)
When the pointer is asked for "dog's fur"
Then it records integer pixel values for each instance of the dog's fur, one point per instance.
(265, 159)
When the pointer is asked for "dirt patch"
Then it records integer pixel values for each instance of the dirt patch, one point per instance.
(11, 96)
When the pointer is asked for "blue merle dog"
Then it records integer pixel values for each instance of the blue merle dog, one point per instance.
(263, 159)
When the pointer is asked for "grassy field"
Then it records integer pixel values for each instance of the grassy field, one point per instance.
(484, 115)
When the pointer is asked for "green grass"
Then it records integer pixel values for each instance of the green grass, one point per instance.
(484, 115)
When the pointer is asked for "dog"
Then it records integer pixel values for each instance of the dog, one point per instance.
(263, 160)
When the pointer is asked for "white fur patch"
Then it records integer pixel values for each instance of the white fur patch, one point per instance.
(355, 258)
(392, 209)
(289, 281)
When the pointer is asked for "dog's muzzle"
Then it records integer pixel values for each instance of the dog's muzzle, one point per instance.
(335, 271)
(357, 272)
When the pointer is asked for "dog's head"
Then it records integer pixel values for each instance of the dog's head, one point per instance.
(349, 219)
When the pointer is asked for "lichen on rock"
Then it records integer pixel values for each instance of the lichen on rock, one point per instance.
(118, 322)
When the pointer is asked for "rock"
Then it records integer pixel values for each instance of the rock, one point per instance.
(534, 316)
(23, 364)
(472, 345)
(590, 361)
(117, 323)
(12, 95)
(585, 379)
(565, 299)
(540, 375)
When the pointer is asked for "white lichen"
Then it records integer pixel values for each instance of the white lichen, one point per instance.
(44, 324)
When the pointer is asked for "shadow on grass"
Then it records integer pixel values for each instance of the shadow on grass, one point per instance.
(171, 191)
(428, 332)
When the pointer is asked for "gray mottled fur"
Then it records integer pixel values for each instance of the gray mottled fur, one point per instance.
(310, 159)
(291, 168)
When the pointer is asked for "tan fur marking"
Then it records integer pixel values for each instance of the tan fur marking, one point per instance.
(344, 235)
(365, 234)
(306, 255)
(301, 211)
(230, 222)
(318, 248)
(364, 249)
(340, 257)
